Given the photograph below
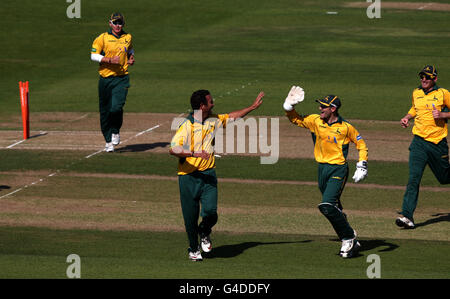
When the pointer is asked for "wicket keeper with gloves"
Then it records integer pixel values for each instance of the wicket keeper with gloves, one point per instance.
(331, 136)
(193, 145)
(114, 51)
(430, 105)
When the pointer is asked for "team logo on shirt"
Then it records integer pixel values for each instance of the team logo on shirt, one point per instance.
(332, 139)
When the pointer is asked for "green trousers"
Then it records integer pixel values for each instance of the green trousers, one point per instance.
(421, 154)
(332, 179)
(112, 93)
(198, 189)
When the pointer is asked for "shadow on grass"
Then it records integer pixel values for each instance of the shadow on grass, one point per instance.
(373, 244)
(228, 251)
(4, 187)
(367, 245)
(38, 135)
(141, 147)
(440, 217)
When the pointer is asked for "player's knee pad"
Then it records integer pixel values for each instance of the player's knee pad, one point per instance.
(332, 213)
(329, 210)
(338, 220)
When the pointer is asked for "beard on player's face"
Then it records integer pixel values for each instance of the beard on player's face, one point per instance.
(325, 113)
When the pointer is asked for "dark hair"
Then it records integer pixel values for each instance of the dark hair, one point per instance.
(199, 97)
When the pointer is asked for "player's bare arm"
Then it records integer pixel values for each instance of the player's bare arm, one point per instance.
(111, 60)
(243, 112)
(404, 122)
(104, 59)
(440, 115)
(180, 152)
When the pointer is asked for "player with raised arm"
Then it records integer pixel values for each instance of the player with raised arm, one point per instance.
(331, 136)
(193, 145)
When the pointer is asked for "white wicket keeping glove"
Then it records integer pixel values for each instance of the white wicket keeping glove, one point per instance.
(361, 171)
(295, 96)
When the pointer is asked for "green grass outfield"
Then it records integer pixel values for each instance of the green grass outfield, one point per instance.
(233, 48)
(41, 253)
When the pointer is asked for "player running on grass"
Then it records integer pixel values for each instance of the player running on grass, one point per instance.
(193, 145)
(331, 136)
(429, 144)
(114, 51)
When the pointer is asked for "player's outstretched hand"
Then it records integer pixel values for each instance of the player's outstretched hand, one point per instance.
(258, 101)
(295, 96)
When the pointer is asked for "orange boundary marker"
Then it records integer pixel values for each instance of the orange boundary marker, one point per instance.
(24, 97)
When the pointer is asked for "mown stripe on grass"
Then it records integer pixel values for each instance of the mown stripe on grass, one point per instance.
(28, 252)
(382, 173)
(237, 181)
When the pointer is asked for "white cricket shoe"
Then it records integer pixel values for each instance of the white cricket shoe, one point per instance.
(349, 247)
(195, 256)
(109, 147)
(206, 244)
(404, 222)
(115, 139)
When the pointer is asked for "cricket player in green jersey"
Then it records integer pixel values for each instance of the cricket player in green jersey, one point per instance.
(331, 136)
(430, 106)
(193, 145)
(114, 52)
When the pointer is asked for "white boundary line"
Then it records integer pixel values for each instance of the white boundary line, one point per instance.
(93, 154)
(14, 144)
(79, 118)
(10, 193)
(45, 132)
(73, 162)
(19, 142)
(138, 134)
(237, 89)
(425, 6)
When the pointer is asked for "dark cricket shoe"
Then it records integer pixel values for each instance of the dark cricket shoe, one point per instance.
(404, 222)
(206, 243)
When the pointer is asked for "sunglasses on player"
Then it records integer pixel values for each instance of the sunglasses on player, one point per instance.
(425, 76)
(117, 22)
